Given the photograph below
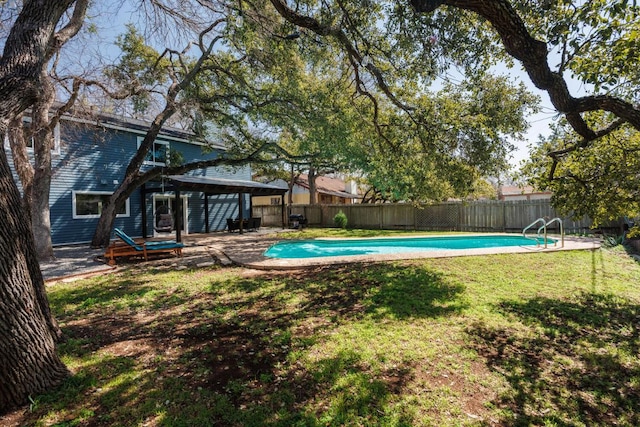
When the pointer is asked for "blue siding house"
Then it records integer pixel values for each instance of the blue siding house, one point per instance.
(89, 161)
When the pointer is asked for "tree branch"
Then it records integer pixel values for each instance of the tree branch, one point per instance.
(69, 30)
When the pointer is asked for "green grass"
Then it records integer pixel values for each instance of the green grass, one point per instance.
(535, 339)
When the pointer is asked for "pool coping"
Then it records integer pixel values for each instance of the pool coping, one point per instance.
(248, 253)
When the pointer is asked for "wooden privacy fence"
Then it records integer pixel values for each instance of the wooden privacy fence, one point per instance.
(496, 216)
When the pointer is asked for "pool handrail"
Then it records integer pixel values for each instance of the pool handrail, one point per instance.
(544, 225)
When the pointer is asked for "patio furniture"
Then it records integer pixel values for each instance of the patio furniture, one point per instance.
(129, 248)
(254, 223)
(232, 225)
(164, 223)
(247, 224)
(297, 221)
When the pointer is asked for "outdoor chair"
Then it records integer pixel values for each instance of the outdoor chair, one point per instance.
(164, 223)
(254, 223)
(232, 225)
(128, 247)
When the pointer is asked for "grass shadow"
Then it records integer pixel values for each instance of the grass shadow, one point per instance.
(577, 365)
(224, 349)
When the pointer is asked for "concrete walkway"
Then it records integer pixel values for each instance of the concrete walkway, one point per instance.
(77, 261)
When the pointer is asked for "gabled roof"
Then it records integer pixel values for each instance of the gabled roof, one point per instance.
(514, 190)
(327, 185)
(131, 124)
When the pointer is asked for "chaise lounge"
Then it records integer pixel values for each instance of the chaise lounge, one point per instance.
(128, 247)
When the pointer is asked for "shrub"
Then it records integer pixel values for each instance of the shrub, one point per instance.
(340, 220)
(634, 232)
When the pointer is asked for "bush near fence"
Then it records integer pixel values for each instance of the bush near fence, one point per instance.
(489, 216)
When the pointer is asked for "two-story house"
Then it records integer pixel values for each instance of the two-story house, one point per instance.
(89, 158)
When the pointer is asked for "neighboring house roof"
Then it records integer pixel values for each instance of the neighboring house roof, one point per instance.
(514, 190)
(327, 185)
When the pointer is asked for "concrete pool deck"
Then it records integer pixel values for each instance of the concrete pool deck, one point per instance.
(78, 261)
(248, 252)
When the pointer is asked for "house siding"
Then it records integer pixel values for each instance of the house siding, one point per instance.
(93, 159)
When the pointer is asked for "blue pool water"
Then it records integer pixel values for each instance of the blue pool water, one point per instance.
(342, 247)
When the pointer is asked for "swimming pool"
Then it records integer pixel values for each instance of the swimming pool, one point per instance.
(379, 246)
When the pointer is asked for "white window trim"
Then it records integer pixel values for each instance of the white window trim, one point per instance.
(56, 139)
(157, 141)
(127, 213)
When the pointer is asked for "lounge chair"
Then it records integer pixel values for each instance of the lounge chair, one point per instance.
(129, 247)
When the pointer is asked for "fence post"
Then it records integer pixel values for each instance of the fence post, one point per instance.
(504, 217)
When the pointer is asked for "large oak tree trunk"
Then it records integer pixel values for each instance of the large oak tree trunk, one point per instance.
(28, 360)
(30, 364)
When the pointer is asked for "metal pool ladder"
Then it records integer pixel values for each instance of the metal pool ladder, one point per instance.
(543, 227)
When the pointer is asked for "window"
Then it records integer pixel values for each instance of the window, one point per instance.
(88, 204)
(275, 200)
(29, 138)
(158, 154)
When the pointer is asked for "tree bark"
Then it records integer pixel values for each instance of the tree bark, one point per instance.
(28, 360)
(313, 192)
(21, 163)
(41, 188)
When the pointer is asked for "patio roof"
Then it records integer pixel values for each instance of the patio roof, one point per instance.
(210, 186)
(224, 186)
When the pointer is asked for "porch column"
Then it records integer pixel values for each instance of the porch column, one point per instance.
(206, 213)
(143, 208)
(178, 217)
(283, 212)
(240, 213)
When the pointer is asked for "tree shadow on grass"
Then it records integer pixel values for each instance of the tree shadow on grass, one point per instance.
(578, 365)
(225, 355)
(379, 290)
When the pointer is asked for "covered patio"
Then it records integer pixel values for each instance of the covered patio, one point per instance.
(210, 187)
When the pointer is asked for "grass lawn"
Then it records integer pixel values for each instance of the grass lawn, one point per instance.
(538, 339)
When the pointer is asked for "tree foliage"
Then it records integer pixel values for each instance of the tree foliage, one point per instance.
(593, 40)
(359, 101)
(601, 180)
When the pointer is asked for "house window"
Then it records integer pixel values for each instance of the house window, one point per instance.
(28, 137)
(275, 200)
(158, 154)
(88, 204)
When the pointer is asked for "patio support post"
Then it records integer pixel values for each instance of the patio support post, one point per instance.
(240, 212)
(283, 212)
(143, 208)
(206, 213)
(178, 217)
